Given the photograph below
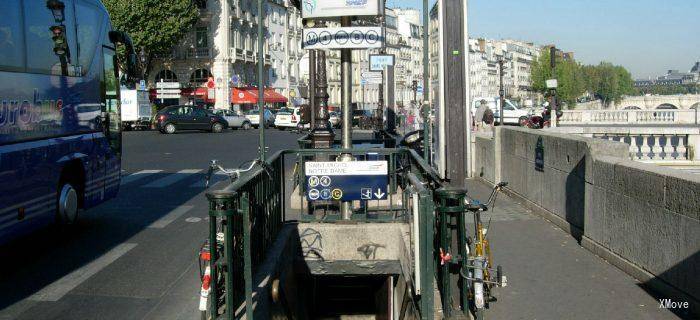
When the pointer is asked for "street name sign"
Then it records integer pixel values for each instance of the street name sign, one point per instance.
(371, 77)
(339, 8)
(346, 181)
(168, 85)
(342, 38)
(377, 62)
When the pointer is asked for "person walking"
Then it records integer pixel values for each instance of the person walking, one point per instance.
(479, 115)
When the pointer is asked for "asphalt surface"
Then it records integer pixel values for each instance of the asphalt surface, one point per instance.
(134, 257)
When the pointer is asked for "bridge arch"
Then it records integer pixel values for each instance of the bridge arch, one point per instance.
(666, 106)
(695, 106)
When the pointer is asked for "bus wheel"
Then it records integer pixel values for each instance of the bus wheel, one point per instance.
(67, 203)
(170, 128)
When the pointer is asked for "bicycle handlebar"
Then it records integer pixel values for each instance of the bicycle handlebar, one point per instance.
(232, 174)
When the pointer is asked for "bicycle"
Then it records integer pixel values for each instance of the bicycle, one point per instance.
(480, 279)
(205, 252)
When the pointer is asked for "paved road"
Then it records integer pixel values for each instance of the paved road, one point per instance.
(133, 257)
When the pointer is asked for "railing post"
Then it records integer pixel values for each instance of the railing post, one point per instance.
(451, 208)
(427, 258)
(247, 259)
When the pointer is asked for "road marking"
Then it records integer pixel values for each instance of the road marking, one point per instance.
(215, 179)
(61, 287)
(173, 178)
(138, 176)
(170, 217)
(193, 219)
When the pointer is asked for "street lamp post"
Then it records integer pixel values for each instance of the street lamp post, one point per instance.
(501, 91)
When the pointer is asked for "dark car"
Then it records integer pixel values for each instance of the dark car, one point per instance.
(361, 118)
(174, 118)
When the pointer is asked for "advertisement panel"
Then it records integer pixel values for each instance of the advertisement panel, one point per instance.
(340, 8)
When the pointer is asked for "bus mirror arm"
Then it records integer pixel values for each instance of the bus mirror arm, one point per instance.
(120, 37)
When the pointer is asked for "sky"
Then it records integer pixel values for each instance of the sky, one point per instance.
(648, 37)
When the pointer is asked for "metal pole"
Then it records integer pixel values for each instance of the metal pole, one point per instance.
(312, 87)
(426, 79)
(501, 91)
(346, 75)
(261, 77)
(553, 92)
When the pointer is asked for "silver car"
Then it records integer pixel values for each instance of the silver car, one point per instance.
(235, 120)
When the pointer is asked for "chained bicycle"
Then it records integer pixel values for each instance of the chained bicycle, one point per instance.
(205, 252)
(480, 274)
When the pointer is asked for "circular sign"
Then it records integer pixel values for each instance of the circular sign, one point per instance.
(356, 37)
(313, 181)
(342, 37)
(325, 181)
(325, 37)
(326, 194)
(314, 194)
(311, 38)
(241, 95)
(211, 84)
(337, 194)
(372, 37)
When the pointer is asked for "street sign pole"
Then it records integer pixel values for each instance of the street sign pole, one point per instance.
(346, 61)
(261, 81)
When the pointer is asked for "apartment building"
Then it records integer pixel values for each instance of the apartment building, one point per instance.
(223, 46)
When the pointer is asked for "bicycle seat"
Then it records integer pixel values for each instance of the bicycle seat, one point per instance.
(477, 207)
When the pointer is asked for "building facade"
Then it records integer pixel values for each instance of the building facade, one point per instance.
(223, 45)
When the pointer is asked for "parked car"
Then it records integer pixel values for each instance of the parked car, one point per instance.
(512, 113)
(254, 117)
(287, 118)
(360, 118)
(174, 118)
(235, 120)
(335, 119)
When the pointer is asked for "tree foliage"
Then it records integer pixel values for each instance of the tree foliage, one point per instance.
(605, 81)
(154, 25)
(567, 72)
(670, 89)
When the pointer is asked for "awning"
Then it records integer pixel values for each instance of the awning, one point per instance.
(243, 96)
(270, 95)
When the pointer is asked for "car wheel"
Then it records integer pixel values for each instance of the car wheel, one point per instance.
(67, 203)
(246, 126)
(217, 128)
(170, 128)
(280, 128)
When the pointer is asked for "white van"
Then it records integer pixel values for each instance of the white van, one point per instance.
(512, 113)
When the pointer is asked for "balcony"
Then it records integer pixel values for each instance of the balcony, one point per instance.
(239, 54)
(249, 56)
(199, 53)
(268, 59)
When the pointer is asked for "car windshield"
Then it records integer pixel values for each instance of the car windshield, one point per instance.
(253, 112)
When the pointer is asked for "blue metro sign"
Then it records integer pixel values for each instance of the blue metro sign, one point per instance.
(347, 181)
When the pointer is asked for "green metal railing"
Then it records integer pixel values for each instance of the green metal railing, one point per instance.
(251, 211)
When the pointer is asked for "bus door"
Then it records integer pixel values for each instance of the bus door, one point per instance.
(113, 126)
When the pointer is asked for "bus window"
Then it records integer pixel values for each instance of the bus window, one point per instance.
(11, 37)
(51, 42)
(89, 28)
(112, 101)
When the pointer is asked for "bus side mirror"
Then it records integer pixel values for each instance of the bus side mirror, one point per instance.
(119, 37)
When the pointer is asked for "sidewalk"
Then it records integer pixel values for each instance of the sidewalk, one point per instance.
(551, 277)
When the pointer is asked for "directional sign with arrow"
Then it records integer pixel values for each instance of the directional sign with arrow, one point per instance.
(347, 181)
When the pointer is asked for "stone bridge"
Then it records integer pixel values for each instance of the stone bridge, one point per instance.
(682, 102)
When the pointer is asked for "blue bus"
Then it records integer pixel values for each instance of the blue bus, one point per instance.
(60, 132)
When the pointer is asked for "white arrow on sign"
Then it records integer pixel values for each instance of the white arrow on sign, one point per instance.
(379, 194)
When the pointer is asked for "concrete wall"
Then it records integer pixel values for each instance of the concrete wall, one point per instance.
(641, 217)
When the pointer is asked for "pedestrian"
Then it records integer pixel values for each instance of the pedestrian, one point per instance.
(479, 115)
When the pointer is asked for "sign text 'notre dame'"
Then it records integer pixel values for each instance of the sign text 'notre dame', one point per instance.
(346, 181)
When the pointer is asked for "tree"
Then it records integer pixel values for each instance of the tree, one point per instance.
(568, 73)
(154, 25)
(609, 82)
